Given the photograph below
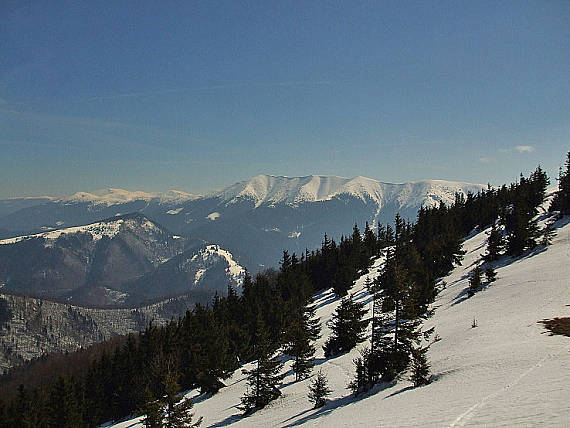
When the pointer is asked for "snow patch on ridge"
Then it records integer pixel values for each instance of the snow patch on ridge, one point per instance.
(96, 230)
(213, 216)
(174, 212)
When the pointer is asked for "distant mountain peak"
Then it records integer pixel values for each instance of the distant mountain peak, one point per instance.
(111, 196)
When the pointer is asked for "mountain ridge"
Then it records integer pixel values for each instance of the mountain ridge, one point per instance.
(262, 187)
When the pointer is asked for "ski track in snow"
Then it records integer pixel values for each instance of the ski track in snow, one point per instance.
(464, 417)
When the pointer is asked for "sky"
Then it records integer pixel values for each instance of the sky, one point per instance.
(196, 95)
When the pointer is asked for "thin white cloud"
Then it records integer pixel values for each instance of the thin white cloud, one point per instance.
(484, 159)
(524, 149)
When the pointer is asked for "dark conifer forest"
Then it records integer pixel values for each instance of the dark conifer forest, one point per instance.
(273, 314)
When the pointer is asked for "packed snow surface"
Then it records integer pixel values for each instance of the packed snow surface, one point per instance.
(270, 190)
(505, 372)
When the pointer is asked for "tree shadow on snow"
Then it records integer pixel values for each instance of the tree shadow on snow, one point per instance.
(335, 404)
(329, 299)
(228, 421)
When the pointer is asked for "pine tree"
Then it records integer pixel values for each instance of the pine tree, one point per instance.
(319, 390)
(264, 379)
(561, 201)
(419, 366)
(474, 281)
(380, 356)
(389, 235)
(303, 329)
(548, 234)
(490, 274)
(398, 292)
(152, 409)
(370, 244)
(519, 217)
(348, 327)
(363, 379)
(177, 415)
(64, 407)
(382, 241)
(494, 244)
(4, 422)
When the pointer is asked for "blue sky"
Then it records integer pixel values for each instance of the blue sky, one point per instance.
(196, 95)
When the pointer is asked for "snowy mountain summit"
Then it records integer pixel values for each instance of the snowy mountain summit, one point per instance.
(113, 196)
(271, 190)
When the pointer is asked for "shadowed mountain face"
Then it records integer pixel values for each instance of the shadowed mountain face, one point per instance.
(256, 219)
(125, 260)
(86, 263)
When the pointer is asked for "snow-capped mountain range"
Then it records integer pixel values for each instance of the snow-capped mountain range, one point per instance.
(272, 190)
(255, 220)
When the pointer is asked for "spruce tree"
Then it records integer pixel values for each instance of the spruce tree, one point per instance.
(401, 307)
(4, 422)
(363, 378)
(319, 390)
(474, 281)
(389, 235)
(152, 409)
(379, 364)
(348, 327)
(419, 366)
(494, 244)
(264, 379)
(490, 274)
(381, 241)
(303, 329)
(177, 415)
(65, 410)
(561, 200)
(548, 234)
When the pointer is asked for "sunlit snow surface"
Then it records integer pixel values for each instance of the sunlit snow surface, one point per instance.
(505, 372)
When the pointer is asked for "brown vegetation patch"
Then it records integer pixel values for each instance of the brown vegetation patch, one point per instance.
(559, 326)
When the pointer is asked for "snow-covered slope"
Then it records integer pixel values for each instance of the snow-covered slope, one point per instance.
(271, 190)
(504, 372)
